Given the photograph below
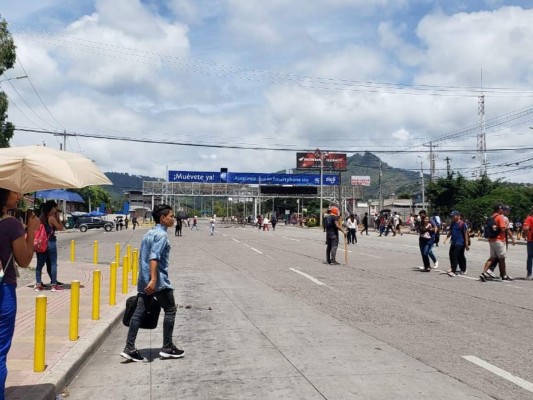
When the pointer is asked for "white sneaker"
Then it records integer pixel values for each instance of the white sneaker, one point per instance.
(529, 278)
(436, 264)
(490, 273)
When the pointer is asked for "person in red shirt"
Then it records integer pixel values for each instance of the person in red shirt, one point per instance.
(497, 246)
(527, 229)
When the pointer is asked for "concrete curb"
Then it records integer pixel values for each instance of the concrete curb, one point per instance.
(60, 375)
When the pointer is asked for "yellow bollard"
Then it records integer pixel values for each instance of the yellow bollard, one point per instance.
(40, 333)
(95, 252)
(113, 285)
(125, 275)
(74, 310)
(72, 250)
(128, 252)
(117, 254)
(97, 274)
(134, 267)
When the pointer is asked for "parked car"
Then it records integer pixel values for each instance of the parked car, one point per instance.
(84, 223)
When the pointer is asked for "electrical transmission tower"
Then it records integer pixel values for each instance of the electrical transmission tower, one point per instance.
(481, 136)
(431, 157)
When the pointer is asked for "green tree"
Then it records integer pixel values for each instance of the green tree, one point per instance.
(7, 60)
(96, 194)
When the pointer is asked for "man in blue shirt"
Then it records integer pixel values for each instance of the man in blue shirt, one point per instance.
(153, 283)
(459, 243)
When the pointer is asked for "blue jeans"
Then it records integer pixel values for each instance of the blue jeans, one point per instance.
(166, 299)
(529, 262)
(50, 255)
(8, 312)
(425, 250)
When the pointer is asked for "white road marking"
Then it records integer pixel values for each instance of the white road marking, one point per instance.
(370, 255)
(308, 277)
(257, 251)
(235, 240)
(349, 251)
(272, 258)
(501, 373)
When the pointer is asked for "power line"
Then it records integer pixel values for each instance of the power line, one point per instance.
(255, 147)
(209, 68)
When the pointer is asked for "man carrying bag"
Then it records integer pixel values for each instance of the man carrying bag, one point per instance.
(153, 282)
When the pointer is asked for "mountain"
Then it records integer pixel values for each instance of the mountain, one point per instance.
(395, 181)
(123, 182)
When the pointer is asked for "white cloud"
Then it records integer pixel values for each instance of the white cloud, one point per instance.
(123, 69)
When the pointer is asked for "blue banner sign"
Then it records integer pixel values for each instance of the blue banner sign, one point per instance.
(247, 178)
(194, 176)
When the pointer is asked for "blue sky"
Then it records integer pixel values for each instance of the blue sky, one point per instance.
(353, 75)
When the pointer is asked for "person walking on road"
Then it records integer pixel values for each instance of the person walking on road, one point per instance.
(459, 243)
(332, 235)
(365, 224)
(429, 249)
(527, 229)
(153, 282)
(212, 226)
(16, 246)
(351, 225)
(194, 223)
(274, 221)
(508, 234)
(497, 246)
(179, 225)
(426, 232)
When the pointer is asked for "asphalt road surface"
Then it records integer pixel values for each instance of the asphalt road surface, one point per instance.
(479, 334)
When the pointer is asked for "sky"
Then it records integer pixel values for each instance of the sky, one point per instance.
(261, 80)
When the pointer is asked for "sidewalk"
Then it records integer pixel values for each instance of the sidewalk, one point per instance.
(62, 357)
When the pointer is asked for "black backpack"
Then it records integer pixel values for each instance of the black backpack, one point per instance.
(491, 230)
(150, 316)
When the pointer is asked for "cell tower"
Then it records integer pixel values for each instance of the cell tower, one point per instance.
(481, 137)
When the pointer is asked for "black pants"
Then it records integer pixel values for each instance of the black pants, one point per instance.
(352, 238)
(457, 257)
(331, 249)
(365, 228)
(166, 299)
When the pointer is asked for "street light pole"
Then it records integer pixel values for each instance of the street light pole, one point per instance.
(15, 78)
(320, 155)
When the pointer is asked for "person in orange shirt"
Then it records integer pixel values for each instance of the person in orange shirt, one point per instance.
(497, 246)
(527, 228)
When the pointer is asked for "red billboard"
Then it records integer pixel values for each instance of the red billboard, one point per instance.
(311, 160)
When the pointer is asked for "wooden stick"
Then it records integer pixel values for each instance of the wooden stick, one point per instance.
(345, 250)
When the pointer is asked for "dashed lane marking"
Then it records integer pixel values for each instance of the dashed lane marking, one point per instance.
(257, 251)
(308, 277)
(370, 255)
(500, 372)
(235, 240)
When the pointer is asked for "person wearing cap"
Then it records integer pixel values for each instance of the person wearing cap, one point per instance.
(332, 235)
(527, 228)
(460, 241)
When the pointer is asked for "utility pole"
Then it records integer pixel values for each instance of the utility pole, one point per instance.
(422, 184)
(63, 146)
(380, 188)
(448, 168)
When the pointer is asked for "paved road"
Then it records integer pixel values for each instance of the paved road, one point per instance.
(266, 319)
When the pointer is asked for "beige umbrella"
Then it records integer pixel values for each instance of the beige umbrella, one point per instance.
(30, 168)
